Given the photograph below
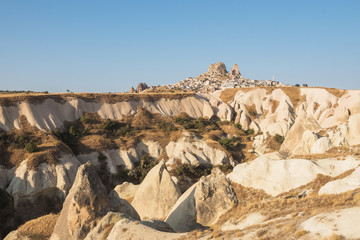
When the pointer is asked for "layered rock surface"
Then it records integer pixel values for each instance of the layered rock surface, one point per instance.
(156, 194)
(203, 203)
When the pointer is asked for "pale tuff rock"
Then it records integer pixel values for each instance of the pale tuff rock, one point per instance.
(305, 144)
(203, 203)
(132, 90)
(295, 134)
(321, 145)
(235, 73)
(278, 176)
(138, 231)
(127, 157)
(99, 232)
(126, 190)
(46, 177)
(348, 183)
(353, 136)
(344, 222)
(156, 194)
(51, 114)
(193, 150)
(216, 70)
(182, 217)
(6, 175)
(121, 205)
(86, 203)
(214, 196)
(141, 87)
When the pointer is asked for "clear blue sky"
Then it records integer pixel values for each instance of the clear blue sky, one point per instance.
(101, 46)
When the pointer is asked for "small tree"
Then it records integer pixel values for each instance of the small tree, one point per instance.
(278, 138)
(31, 147)
(297, 85)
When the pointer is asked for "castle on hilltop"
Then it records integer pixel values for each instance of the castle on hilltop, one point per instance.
(218, 78)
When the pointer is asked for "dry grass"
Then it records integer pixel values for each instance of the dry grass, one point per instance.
(274, 105)
(228, 94)
(316, 106)
(335, 236)
(294, 93)
(37, 98)
(336, 92)
(300, 233)
(252, 111)
(40, 228)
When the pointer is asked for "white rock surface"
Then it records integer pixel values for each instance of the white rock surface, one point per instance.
(128, 229)
(203, 203)
(127, 158)
(321, 146)
(193, 150)
(343, 222)
(51, 114)
(27, 183)
(156, 194)
(278, 176)
(126, 190)
(348, 183)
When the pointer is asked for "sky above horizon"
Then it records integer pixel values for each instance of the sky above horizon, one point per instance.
(109, 46)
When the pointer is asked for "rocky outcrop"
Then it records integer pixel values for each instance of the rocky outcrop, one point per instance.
(193, 150)
(132, 90)
(235, 73)
(50, 114)
(339, 186)
(125, 157)
(279, 176)
(121, 205)
(342, 223)
(203, 203)
(126, 190)
(84, 206)
(6, 175)
(49, 179)
(156, 194)
(216, 70)
(141, 87)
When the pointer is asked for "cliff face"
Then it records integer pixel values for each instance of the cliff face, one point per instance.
(45, 138)
(51, 113)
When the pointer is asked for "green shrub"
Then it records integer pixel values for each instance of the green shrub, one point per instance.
(225, 142)
(225, 122)
(297, 85)
(249, 131)
(192, 171)
(31, 147)
(166, 127)
(110, 125)
(84, 119)
(278, 138)
(238, 126)
(21, 140)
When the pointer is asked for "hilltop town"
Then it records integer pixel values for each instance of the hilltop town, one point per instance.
(218, 78)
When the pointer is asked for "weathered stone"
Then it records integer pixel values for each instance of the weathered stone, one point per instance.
(203, 203)
(235, 73)
(86, 204)
(141, 87)
(156, 194)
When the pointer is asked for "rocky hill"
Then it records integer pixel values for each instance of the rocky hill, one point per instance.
(239, 163)
(218, 78)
